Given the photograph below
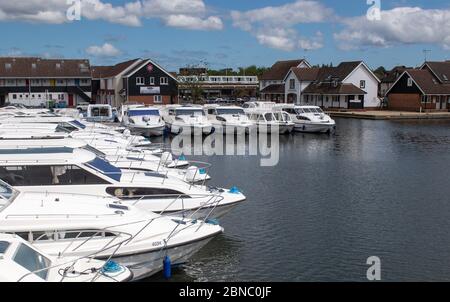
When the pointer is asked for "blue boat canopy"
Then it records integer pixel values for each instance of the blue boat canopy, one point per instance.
(105, 168)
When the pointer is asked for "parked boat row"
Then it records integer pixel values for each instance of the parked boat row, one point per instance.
(252, 117)
(113, 203)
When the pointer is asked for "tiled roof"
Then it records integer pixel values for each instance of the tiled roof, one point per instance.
(111, 71)
(34, 67)
(392, 75)
(274, 88)
(329, 88)
(280, 69)
(428, 83)
(441, 70)
(306, 74)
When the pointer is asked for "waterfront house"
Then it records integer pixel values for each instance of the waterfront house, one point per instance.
(424, 89)
(35, 81)
(350, 85)
(272, 82)
(107, 82)
(135, 81)
(389, 78)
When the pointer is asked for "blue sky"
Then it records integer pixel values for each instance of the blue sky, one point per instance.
(229, 33)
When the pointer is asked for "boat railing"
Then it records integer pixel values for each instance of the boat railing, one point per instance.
(205, 201)
(196, 173)
(124, 238)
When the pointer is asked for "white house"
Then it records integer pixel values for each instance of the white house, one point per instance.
(350, 85)
(272, 82)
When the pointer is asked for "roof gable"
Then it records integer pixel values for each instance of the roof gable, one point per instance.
(279, 70)
(146, 62)
(440, 69)
(112, 71)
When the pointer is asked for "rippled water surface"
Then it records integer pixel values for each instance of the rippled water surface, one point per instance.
(374, 188)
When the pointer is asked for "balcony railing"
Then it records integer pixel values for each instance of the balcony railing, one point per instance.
(236, 80)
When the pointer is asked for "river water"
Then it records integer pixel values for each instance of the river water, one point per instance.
(375, 188)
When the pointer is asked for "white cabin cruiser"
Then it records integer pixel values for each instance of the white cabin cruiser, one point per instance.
(74, 225)
(100, 113)
(142, 120)
(229, 119)
(78, 128)
(310, 119)
(196, 172)
(187, 120)
(22, 262)
(274, 122)
(68, 170)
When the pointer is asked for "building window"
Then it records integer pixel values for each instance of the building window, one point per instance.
(14, 96)
(292, 84)
(362, 84)
(410, 82)
(140, 81)
(152, 81)
(164, 81)
(157, 99)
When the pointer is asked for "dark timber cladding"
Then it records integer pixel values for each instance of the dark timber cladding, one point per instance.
(421, 90)
(149, 83)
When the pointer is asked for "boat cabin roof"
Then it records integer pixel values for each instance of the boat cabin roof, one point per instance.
(13, 156)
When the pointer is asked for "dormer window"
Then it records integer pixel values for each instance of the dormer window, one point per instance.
(33, 65)
(445, 77)
(8, 65)
(335, 83)
(58, 65)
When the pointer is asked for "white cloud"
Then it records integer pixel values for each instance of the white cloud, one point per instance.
(193, 13)
(402, 25)
(274, 26)
(106, 50)
(190, 22)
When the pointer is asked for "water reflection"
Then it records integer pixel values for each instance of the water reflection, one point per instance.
(374, 188)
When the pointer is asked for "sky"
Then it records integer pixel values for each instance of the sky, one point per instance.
(232, 33)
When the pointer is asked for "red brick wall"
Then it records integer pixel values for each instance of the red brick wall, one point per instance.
(148, 99)
(405, 102)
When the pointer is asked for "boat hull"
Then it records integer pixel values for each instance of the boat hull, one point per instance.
(146, 264)
(314, 128)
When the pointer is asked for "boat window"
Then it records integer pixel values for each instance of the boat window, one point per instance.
(234, 111)
(78, 124)
(212, 111)
(101, 112)
(105, 168)
(68, 127)
(143, 112)
(32, 260)
(269, 117)
(147, 193)
(307, 110)
(48, 176)
(6, 192)
(191, 112)
(304, 118)
(299, 111)
(4, 246)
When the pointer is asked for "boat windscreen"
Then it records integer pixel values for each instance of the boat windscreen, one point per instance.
(6, 192)
(233, 111)
(192, 112)
(143, 112)
(105, 168)
(78, 124)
